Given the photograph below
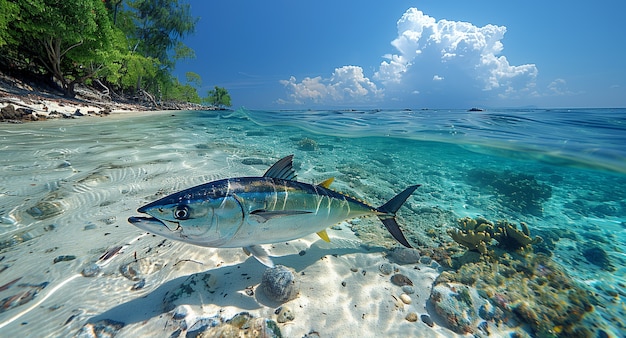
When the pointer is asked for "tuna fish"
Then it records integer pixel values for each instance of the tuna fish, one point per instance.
(250, 211)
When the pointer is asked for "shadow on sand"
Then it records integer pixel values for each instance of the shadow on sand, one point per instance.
(223, 286)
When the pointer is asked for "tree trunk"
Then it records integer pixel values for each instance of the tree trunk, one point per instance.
(69, 90)
(54, 55)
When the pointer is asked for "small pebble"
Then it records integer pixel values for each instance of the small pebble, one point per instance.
(427, 320)
(180, 312)
(64, 258)
(89, 226)
(139, 285)
(386, 268)
(401, 280)
(406, 299)
(91, 270)
(285, 315)
(411, 317)
(408, 289)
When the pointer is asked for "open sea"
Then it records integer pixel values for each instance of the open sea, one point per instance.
(548, 185)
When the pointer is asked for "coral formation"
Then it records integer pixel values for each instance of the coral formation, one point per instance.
(509, 237)
(307, 144)
(480, 234)
(520, 192)
(527, 293)
(474, 234)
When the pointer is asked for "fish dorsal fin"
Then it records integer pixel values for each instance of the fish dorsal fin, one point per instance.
(283, 169)
(326, 184)
(323, 235)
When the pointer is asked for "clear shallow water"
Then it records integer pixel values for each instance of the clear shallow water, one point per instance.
(587, 137)
(68, 186)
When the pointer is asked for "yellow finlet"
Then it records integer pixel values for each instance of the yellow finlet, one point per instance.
(326, 184)
(323, 235)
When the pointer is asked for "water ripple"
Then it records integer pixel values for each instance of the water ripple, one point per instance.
(582, 137)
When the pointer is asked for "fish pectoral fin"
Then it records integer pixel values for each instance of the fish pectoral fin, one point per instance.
(324, 235)
(263, 215)
(260, 254)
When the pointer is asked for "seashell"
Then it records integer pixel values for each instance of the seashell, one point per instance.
(405, 298)
(411, 317)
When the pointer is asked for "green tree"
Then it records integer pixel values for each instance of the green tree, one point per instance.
(159, 26)
(218, 97)
(8, 13)
(193, 79)
(70, 39)
(157, 30)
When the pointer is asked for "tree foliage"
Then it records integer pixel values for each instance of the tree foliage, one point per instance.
(8, 12)
(219, 97)
(70, 39)
(129, 46)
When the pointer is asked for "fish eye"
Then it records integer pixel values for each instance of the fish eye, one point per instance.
(181, 212)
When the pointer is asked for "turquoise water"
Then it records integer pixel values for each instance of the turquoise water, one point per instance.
(68, 186)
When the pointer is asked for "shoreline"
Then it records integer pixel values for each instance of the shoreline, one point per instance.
(21, 102)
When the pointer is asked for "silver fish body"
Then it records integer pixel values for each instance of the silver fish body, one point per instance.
(249, 211)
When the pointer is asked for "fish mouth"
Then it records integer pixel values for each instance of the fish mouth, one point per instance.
(147, 222)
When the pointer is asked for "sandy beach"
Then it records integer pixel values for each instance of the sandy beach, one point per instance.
(23, 102)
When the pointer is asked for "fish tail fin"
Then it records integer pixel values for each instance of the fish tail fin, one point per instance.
(387, 214)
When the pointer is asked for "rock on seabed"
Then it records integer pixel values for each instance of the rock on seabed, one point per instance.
(279, 284)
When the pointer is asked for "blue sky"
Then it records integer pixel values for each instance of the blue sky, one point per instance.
(295, 54)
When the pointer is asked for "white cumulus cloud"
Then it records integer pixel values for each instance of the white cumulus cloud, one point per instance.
(427, 51)
(428, 48)
(347, 84)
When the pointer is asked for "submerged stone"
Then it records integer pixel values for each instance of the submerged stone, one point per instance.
(427, 320)
(386, 268)
(102, 328)
(597, 256)
(279, 284)
(45, 209)
(241, 325)
(405, 255)
(401, 280)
